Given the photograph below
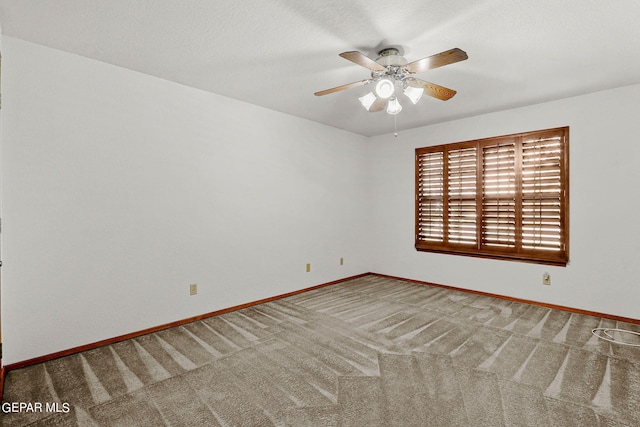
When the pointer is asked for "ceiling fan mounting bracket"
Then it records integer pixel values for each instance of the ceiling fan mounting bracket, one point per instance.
(389, 51)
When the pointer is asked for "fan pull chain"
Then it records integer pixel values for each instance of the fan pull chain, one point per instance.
(395, 125)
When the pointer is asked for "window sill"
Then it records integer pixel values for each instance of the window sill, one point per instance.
(555, 259)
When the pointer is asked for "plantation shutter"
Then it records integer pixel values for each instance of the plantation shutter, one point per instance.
(499, 195)
(461, 196)
(430, 184)
(504, 197)
(542, 189)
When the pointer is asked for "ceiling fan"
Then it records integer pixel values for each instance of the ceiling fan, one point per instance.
(392, 73)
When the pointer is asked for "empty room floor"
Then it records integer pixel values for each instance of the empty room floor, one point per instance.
(371, 351)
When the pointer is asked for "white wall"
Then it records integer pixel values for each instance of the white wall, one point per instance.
(120, 189)
(604, 269)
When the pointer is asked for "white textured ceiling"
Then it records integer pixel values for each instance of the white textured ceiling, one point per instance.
(277, 53)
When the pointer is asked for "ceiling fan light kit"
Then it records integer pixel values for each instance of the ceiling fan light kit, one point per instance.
(392, 73)
(413, 93)
(368, 100)
(393, 106)
(385, 88)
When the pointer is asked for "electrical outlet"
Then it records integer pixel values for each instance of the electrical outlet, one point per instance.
(546, 279)
(193, 289)
(308, 268)
(341, 261)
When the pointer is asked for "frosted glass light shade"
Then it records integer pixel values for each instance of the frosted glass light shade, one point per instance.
(393, 106)
(414, 93)
(367, 100)
(385, 88)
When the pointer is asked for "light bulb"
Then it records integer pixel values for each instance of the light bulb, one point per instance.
(385, 88)
(413, 93)
(393, 106)
(367, 100)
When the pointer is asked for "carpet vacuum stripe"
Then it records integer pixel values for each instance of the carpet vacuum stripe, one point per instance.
(371, 351)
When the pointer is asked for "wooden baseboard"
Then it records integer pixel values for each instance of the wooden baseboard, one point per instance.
(1, 381)
(81, 348)
(520, 300)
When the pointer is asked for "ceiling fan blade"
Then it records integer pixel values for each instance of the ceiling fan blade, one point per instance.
(343, 87)
(433, 89)
(360, 59)
(378, 105)
(438, 60)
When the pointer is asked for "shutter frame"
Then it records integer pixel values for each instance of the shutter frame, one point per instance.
(507, 224)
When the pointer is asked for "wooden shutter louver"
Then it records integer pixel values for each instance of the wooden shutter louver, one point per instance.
(503, 197)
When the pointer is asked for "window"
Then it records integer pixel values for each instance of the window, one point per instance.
(505, 197)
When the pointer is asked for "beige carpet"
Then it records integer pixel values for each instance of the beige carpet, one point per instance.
(367, 352)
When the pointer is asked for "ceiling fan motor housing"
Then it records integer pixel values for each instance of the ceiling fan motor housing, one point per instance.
(391, 57)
